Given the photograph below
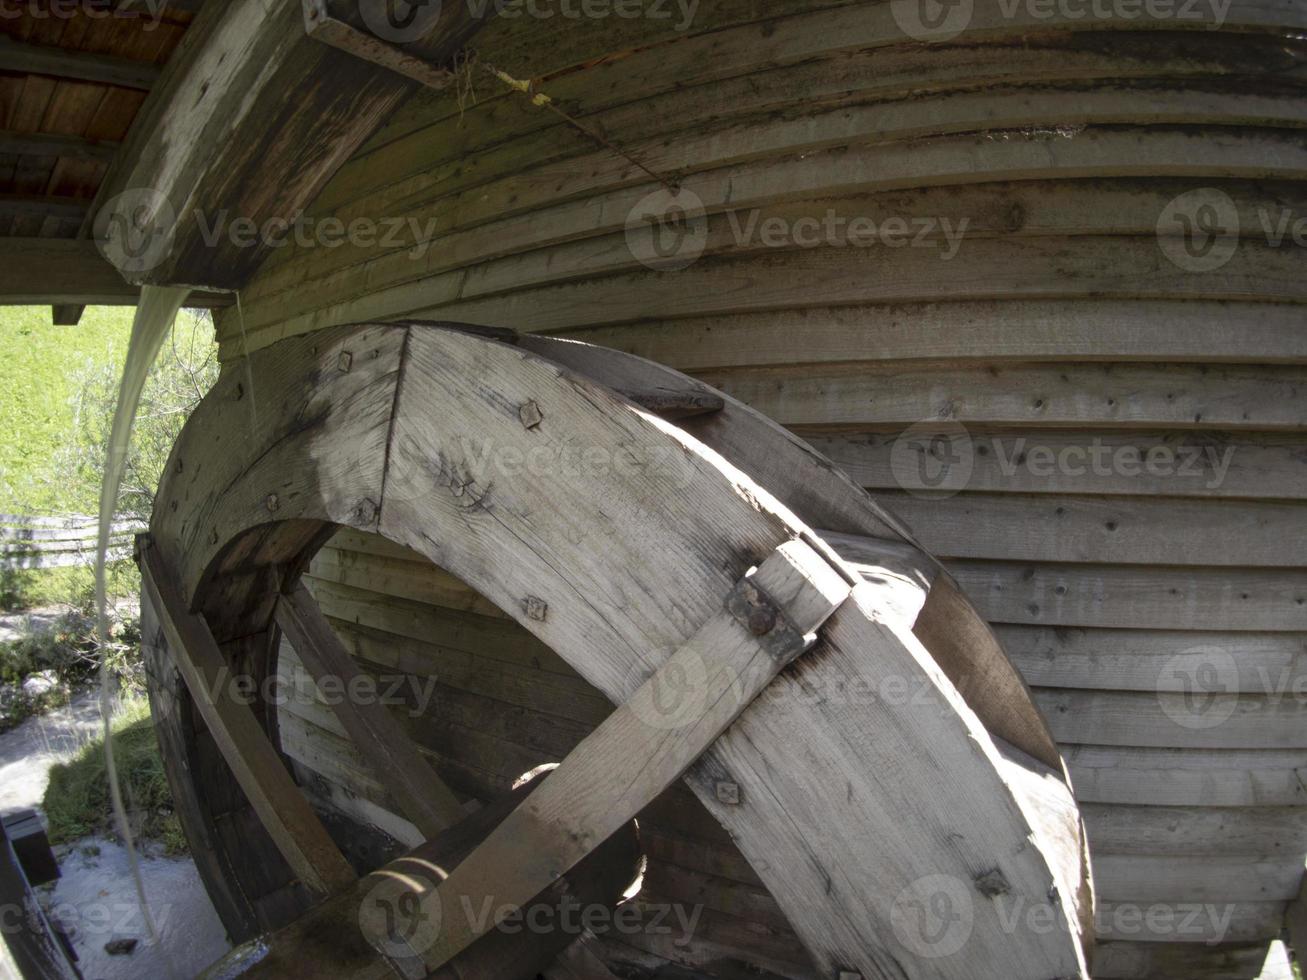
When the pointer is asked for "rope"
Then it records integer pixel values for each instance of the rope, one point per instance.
(542, 101)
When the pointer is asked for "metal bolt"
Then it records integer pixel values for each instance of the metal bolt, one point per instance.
(345, 361)
(728, 793)
(762, 620)
(530, 415)
(272, 502)
(535, 608)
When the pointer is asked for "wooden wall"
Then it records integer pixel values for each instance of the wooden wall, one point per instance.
(1144, 604)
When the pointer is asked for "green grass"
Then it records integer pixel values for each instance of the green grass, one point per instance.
(77, 802)
(37, 391)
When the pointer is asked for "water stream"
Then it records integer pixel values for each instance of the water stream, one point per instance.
(155, 315)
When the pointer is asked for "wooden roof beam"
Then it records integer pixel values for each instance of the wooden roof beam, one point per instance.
(70, 271)
(42, 59)
(218, 135)
(34, 205)
(55, 145)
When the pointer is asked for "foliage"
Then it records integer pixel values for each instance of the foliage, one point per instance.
(77, 802)
(68, 652)
(60, 386)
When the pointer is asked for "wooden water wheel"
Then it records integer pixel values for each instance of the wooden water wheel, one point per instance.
(714, 577)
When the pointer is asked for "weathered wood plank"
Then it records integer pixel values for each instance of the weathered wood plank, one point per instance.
(1265, 833)
(86, 66)
(1156, 660)
(1125, 960)
(281, 807)
(1204, 717)
(422, 796)
(1189, 776)
(37, 271)
(1174, 463)
(1082, 528)
(1061, 330)
(214, 136)
(1149, 878)
(1136, 596)
(1105, 395)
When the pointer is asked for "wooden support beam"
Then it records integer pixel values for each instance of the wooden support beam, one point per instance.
(422, 795)
(282, 808)
(66, 314)
(54, 145)
(215, 136)
(645, 745)
(70, 272)
(41, 59)
(25, 205)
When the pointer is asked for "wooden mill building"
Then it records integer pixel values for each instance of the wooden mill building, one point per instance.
(1032, 274)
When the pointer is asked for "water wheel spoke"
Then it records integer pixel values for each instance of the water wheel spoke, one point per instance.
(282, 808)
(422, 795)
(644, 746)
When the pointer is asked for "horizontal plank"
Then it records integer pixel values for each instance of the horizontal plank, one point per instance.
(1127, 960)
(37, 271)
(1266, 833)
(419, 581)
(996, 394)
(514, 684)
(1194, 720)
(584, 239)
(494, 637)
(1175, 463)
(1054, 330)
(1187, 777)
(1147, 878)
(56, 145)
(1109, 530)
(1199, 924)
(1155, 660)
(59, 62)
(1136, 596)
(755, 284)
(808, 60)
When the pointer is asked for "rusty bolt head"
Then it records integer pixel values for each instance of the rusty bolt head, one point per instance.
(762, 620)
(728, 793)
(530, 414)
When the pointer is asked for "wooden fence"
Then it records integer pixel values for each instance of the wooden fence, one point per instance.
(58, 542)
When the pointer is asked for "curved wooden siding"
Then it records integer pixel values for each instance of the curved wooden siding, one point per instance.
(1059, 324)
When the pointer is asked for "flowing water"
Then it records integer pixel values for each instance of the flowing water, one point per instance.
(155, 314)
